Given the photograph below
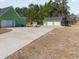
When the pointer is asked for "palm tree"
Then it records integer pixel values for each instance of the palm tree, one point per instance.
(38, 12)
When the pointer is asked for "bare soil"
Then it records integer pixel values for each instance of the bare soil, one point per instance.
(2, 30)
(62, 43)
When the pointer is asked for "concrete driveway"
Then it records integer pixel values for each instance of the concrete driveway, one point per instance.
(19, 37)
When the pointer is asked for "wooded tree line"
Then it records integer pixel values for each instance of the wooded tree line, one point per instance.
(37, 12)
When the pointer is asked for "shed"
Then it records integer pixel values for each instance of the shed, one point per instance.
(10, 18)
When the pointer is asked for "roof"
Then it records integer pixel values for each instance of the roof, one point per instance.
(3, 10)
(52, 18)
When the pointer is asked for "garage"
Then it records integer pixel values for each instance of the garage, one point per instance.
(49, 23)
(57, 23)
(52, 21)
(7, 23)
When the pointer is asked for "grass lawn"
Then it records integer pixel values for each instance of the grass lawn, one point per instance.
(2, 30)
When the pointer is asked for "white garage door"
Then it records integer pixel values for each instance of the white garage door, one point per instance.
(49, 23)
(7, 23)
(57, 23)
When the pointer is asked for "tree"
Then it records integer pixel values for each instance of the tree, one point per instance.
(72, 19)
(63, 7)
(18, 10)
(22, 11)
(37, 12)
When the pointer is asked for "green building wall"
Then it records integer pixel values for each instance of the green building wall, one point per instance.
(10, 14)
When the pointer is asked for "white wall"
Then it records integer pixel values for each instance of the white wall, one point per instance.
(49, 23)
(57, 23)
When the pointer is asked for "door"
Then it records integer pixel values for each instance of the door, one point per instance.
(49, 23)
(58, 23)
(7, 23)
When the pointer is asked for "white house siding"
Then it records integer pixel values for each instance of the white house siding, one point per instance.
(50, 23)
(7, 23)
(53, 21)
(58, 23)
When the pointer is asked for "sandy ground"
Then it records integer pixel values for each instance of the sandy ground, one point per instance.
(62, 43)
(2, 30)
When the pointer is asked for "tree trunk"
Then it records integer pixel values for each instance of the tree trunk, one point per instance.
(30, 23)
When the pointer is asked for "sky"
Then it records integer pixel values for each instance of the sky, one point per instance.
(74, 4)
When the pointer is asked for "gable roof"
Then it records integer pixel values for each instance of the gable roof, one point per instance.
(3, 10)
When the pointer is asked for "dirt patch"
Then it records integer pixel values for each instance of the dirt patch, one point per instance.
(2, 30)
(62, 43)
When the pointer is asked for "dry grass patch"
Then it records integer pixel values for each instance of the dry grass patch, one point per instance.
(62, 43)
(2, 30)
